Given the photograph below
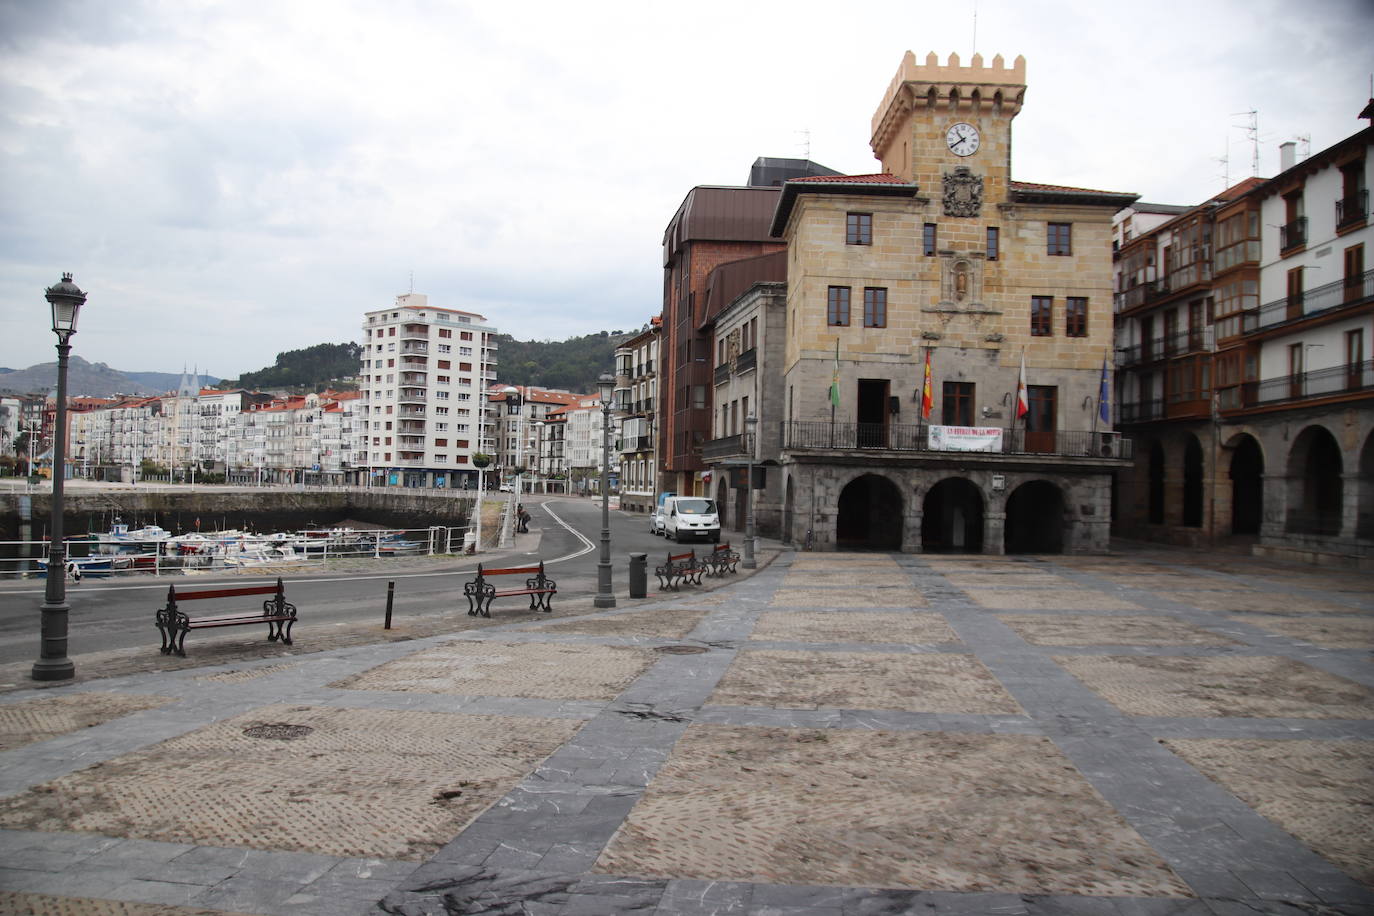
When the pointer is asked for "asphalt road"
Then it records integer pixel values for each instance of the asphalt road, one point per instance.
(117, 613)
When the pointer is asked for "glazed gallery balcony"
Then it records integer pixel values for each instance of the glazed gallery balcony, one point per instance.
(824, 436)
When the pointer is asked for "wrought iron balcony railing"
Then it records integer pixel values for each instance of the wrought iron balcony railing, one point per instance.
(1352, 209)
(1293, 234)
(1327, 297)
(822, 435)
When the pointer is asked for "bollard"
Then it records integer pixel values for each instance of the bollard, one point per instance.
(390, 597)
(639, 575)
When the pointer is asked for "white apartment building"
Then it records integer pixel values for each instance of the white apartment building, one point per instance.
(636, 370)
(423, 372)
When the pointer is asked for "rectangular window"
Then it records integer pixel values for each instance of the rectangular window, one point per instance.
(837, 307)
(1042, 316)
(465, 335)
(445, 348)
(445, 364)
(994, 242)
(1059, 239)
(928, 240)
(445, 332)
(858, 229)
(956, 404)
(875, 307)
(1354, 358)
(1076, 317)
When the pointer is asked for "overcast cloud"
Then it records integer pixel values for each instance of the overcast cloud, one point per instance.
(230, 180)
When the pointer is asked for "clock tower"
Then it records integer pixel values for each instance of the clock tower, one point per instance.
(947, 128)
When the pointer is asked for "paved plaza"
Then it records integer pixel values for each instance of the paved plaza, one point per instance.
(1150, 733)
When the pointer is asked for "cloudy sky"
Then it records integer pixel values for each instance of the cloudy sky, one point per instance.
(228, 180)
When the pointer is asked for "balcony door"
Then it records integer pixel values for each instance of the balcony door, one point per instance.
(1294, 294)
(1354, 273)
(1040, 421)
(872, 413)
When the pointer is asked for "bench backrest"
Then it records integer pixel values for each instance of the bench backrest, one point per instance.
(512, 571)
(689, 555)
(173, 596)
(721, 548)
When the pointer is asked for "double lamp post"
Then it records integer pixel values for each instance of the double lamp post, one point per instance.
(53, 664)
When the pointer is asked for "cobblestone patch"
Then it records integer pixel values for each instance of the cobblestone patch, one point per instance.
(1006, 579)
(1173, 581)
(1264, 602)
(247, 674)
(41, 719)
(1327, 632)
(833, 561)
(48, 905)
(1262, 686)
(965, 564)
(537, 670)
(666, 623)
(1077, 599)
(1084, 630)
(872, 577)
(392, 784)
(912, 810)
(855, 626)
(1322, 792)
(863, 680)
(848, 596)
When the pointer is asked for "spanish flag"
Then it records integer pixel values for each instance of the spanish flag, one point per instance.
(927, 395)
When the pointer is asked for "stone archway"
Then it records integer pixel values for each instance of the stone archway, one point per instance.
(1035, 518)
(952, 517)
(1247, 485)
(1155, 496)
(869, 515)
(1364, 519)
(1315, 498)
(1193, 471)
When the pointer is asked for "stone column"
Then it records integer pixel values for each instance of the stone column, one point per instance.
(995, 531)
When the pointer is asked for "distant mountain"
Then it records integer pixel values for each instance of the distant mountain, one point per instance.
(92, 380)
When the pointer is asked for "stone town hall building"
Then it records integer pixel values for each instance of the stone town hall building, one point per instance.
(943, 253)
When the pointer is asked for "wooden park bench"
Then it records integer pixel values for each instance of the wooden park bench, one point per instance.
(721, 560)
(174, 623)
(680, 569)
(538, 586)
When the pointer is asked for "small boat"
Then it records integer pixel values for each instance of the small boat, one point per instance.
(85, 566)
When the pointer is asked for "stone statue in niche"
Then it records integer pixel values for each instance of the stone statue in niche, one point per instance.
(960, 281)
(963, 193)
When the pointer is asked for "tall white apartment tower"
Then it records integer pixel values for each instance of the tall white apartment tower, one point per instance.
(423, 371)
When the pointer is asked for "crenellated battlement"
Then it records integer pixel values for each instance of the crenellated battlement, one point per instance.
(952, 87)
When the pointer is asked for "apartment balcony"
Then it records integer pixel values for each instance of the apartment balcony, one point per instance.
(415, 332)
(412, 427)
(413, 396)
(408, 462)
(1353, 209)
(722, 374)
(416, 443)
(411, 412)
(1293, 235)
(413, 378)
(1319, 300)
(910, 440)
(634, 444)
(726, 447)
(1142, 294)
(413, 347)
(1183, 343)
(1356, 378)
(414, 363)
(747, 360)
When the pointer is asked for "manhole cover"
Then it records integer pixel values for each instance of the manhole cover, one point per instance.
(681, 650)
(279, 731)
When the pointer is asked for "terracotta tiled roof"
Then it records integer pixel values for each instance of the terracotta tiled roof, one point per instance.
(876, 178)
(1036, 186)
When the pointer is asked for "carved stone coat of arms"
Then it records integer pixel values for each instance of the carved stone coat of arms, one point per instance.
(963, 193)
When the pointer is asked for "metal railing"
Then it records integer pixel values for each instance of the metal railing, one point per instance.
(1181, 343)
(1293, 234)
(822, 435)
(1352, 209)
(725, 447)
(1324, 298)
(1305, 386)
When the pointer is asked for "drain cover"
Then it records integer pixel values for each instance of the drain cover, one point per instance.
(278, 731)
(681, 650)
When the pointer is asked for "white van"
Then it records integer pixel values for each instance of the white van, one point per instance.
(688, 517)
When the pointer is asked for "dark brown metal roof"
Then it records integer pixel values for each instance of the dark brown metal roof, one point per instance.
(721, 214)
(728, 281)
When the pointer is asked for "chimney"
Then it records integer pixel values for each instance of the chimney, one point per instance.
(1288, 155)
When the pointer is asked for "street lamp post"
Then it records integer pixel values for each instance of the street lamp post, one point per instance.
(53, 664)
(750, 422)
(605, 386)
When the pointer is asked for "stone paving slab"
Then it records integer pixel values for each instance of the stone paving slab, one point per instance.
(548, 671)
(1354, 632)
(48, 717)
(833, 561)
(1119, 630)
(1259, 686)
(1270, 602)
(854, 626)
(51, 905)
(848, 596)
(872, 577)
(663, 623)
(895, 810)
(1075, 599)
(387, 784)
(1322, 792)
(868, 680)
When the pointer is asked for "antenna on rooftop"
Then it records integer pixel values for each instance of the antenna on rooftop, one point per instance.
(412, 281)
(1224, 160)
(1304, 145)
(806, 142)
(1252, 134)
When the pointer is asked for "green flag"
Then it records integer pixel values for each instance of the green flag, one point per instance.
(835, 378)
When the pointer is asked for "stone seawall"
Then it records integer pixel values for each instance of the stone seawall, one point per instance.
(25, 516)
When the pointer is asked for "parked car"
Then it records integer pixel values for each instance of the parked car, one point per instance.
(691, 517)
(656, 521)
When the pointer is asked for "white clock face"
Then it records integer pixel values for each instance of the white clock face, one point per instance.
(962, 139)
